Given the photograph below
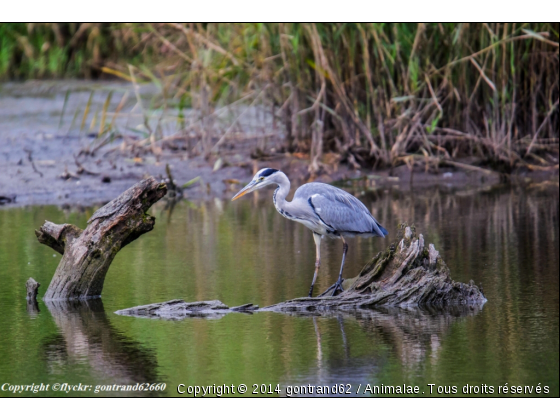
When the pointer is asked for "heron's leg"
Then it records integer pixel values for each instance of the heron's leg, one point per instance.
(338, 285)
(317, 239)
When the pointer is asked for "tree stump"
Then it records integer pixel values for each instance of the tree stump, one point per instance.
(87, 254)
(406, 274)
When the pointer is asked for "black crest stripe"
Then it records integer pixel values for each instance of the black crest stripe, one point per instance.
(268, 171)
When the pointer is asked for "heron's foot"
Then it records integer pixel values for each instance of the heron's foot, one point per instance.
(310, 291)
(335, 288)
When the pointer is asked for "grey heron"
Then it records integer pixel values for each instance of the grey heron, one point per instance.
(323, 208)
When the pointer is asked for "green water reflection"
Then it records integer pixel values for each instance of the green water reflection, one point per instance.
(505, 239)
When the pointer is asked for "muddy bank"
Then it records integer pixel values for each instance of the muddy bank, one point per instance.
(51, 154)
(44, 171)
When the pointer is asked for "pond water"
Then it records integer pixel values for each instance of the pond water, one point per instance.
(504, 238)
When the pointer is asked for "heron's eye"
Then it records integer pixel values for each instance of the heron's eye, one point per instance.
(261, 178)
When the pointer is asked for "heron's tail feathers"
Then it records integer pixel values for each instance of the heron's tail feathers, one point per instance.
(380, 230)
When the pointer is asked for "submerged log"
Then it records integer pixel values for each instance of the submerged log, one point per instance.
(406, 274)
(87, 254)
(32, 289)
(179, 309)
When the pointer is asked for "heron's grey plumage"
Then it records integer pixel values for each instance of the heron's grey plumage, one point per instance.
(323, 208)
(343, 213)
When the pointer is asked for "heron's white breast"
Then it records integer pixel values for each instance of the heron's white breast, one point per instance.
(314, 226)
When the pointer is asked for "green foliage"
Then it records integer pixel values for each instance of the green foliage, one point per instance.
(54, 50)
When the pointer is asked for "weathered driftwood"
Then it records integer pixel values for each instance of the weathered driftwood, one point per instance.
(179, 309)
(87, 254)
(57, 236)
(406, 274)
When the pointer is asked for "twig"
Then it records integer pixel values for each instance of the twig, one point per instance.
(490, 47)
(26, 150)
(434, 97)
(81, 169)
(171, 184)
(67, 175)
(487, 80)
(407, 159)
(541, 168)
(468, 167)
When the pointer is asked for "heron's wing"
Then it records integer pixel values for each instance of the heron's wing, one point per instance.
(338, 209)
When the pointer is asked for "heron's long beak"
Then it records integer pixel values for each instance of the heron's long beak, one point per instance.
(251, 186)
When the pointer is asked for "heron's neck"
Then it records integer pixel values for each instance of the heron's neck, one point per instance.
(281, 192)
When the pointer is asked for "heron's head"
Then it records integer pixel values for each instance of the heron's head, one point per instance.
(262, 178)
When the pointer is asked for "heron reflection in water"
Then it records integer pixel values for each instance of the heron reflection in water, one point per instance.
(326, 210)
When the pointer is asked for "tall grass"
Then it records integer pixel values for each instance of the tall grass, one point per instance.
(372, 94)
